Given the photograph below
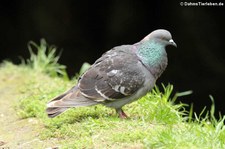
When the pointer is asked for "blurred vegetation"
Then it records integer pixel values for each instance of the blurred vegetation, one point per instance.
(45, 59)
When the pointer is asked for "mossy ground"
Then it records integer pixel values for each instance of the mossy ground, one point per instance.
(155, 121)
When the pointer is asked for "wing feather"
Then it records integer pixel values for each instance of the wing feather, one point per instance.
(114, 76)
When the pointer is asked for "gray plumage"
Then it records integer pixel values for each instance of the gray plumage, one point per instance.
(120, 76)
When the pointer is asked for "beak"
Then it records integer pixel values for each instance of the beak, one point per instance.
(172, 43)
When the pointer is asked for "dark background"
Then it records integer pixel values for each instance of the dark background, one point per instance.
(86, 29)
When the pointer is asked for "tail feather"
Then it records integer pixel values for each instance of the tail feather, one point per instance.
(72, 98)
(55, 111)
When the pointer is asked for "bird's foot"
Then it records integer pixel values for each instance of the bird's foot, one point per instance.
(121, 113)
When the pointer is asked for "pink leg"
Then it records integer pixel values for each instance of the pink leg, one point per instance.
(121, 113)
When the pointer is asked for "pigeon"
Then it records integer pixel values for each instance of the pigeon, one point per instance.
(120, 76)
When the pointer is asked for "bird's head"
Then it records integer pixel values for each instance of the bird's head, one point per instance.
(162, 36)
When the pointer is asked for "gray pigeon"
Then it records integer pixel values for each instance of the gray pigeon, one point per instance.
(122, 75)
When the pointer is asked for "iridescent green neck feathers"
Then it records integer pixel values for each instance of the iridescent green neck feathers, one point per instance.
(151, 53)
(153, 56)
